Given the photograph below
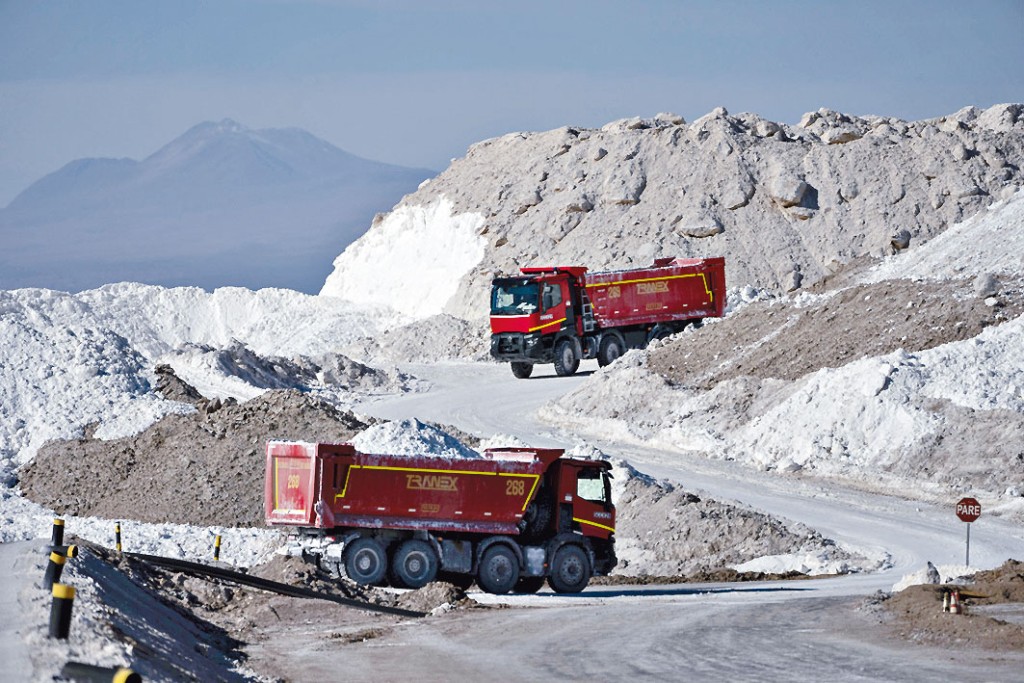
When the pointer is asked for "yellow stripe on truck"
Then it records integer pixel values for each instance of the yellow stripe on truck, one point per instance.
(541, 327)
(702, 276)
(524, 475)
(599, 526)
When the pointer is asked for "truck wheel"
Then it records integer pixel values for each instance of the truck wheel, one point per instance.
(529, 584)
(537, 515)
(610, 350)
(570, 570)
(365, 561)
(499, 570)
(414, 564)
(566, 360)
(522, 370)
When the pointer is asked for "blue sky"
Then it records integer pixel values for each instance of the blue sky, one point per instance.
(416, 82)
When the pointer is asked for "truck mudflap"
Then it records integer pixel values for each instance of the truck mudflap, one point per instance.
(603, 556)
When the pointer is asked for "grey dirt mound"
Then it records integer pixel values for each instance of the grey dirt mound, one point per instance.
(993, 617)
(664, 531)
(768, 341)
(206, 468)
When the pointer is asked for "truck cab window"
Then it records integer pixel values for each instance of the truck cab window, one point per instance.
(590, 485)
(552, 296)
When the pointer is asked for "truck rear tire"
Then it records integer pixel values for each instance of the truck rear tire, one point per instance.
(611, 348)
(570, 570)
(566, 360)
(522, 370)
(499, 570)
(414, 564)
(365, 561)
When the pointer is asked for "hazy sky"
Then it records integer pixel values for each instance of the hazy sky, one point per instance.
(415, 82)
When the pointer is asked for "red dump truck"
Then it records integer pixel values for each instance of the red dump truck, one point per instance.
(562, 314)
(510, 519)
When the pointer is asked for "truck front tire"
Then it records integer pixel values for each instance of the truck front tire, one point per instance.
(522, 370)
(566, 360)
(499, 570)
(365, 561)
(570, 570)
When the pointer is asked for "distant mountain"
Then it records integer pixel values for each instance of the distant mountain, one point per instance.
(220, 205)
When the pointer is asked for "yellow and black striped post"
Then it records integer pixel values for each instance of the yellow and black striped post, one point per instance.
(216, 548)
(60, 610)
(55, 565)
(77, 671)
(117, 536)
(57, 535)
(54, 568)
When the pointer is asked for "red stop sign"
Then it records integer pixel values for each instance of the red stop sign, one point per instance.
(968, 509)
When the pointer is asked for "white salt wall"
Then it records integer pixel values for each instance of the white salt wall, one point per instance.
(412, 261)
(991, 241)
(73, 359)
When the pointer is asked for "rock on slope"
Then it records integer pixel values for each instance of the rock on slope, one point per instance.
(784, 204)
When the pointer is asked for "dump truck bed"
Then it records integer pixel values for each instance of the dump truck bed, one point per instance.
(673, 289)
(332, 485)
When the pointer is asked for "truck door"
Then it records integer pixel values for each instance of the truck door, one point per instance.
(555, 314)
(592, 511)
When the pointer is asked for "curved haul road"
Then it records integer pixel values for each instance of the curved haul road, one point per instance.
(775, 631)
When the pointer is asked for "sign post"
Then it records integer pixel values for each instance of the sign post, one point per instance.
(968, 510)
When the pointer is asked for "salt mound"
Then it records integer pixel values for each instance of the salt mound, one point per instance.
(991, 241)
(73, 360)
(785, 205)
(501, 441)
(411, 437)
(948, 573)
(883, 385)
(236, 371)
(442, 244)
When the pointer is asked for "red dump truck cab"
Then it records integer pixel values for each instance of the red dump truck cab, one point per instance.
(562, 314)
(539, 301)
(520, 513)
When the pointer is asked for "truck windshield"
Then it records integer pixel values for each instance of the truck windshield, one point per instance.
(516, 297)
(590, 485)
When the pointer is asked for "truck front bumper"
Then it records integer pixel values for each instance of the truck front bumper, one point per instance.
(516, 346)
